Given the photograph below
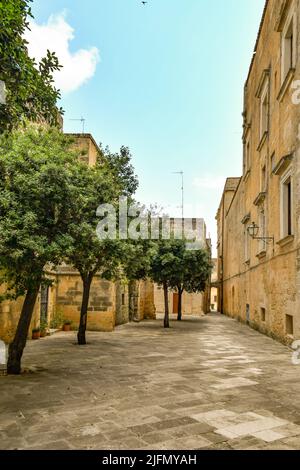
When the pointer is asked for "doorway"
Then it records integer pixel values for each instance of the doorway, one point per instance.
(44, 304)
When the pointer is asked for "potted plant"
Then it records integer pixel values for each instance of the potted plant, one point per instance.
(36, 332)
(57, 320)
(43, 329)
(67, 325)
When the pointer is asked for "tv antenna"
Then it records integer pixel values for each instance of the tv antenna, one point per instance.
(182, 190)
(82, 120)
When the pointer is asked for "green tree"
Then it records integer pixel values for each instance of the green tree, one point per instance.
(30, 91)
(136, 264)
(192, 274)
(88, 253)
(164, 267)
(176, 267)
(120, 166)
(35, 193)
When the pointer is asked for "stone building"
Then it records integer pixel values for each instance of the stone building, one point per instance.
(258, 217)
(192, 304)
(111, 304)
(214, 287)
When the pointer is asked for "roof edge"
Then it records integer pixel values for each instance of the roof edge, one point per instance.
(257, 40)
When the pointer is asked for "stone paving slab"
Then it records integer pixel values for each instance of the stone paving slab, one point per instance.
(207, 383)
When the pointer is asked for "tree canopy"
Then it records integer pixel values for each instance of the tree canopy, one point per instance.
(36, 190)
(30, 90)
(90, 254)
(177, 268)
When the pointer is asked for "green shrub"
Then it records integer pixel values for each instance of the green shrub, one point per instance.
(57, 320)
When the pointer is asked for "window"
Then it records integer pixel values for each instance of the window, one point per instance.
(246, 244)
(289, 325)
(286, 205)
(288, 47)
(262, 224)
(263, 182)
(123, 299)
(247, 154)
(264, 110)
(263, 314)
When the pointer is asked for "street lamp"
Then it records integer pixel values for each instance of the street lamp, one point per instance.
(253, 231)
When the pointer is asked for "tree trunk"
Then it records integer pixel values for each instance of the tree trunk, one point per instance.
(166, 319)
(16, 348)
(87, 281)
(179, 317)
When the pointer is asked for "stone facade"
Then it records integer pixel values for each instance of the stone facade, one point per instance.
(192, 304)
(110, 303)
(214, 287)
(259, 278)
(102, 303)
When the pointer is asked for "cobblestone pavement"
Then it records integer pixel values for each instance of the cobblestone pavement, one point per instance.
(208, 383)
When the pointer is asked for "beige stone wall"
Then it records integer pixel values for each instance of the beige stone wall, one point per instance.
(268, 278)
(108, 306)
(192, 304)
(10, 311)
(87, 145)
(9, 315)
(102, 304)
(109, 302)
(146, 301)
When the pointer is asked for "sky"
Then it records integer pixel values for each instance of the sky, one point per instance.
(165, 79)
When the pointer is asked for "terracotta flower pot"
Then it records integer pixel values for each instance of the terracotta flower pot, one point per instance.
(67, 328)
(36, 334)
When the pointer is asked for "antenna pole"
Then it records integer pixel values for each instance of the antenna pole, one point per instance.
(182, 191)
(82, 120)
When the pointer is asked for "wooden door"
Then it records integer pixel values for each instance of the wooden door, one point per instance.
(175, 302)
(44, 303)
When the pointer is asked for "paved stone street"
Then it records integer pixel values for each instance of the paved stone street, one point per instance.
(207, 383)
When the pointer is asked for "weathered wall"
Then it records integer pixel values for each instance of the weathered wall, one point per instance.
(10, 312)
(192, 304)
(268, 278)
(86, 144)
(141, 301)
(122, 303)
(102, 304)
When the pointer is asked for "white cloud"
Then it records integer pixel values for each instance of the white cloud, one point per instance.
(56, 35)
(209, 182)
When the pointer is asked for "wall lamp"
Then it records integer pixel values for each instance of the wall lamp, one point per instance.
(253, 231)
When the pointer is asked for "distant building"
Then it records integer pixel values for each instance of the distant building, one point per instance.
(214, 287)
(192, 304)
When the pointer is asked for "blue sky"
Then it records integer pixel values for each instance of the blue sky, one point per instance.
(165, 79)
